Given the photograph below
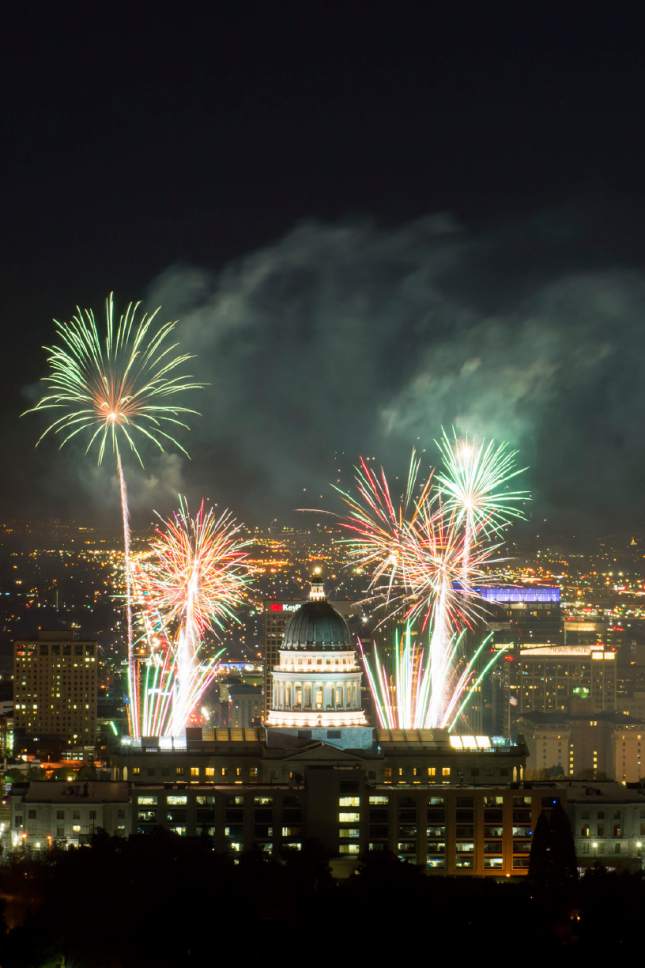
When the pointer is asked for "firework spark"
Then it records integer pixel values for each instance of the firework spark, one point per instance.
(192, 583)
(424, 556)
(116, 389)
(474, 485)
(411, 550)
(381, 531)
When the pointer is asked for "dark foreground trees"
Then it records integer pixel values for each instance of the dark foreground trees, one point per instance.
(160, 900)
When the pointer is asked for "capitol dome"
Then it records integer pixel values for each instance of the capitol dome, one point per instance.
(316, 625)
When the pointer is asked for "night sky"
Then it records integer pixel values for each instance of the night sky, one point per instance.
(369, 224)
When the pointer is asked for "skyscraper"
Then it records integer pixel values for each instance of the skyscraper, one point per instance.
(276, 616)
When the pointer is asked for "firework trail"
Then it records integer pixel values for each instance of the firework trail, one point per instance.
(473, 484)
(441, 592)
(194, 580)
(117, 389)
(402, 688)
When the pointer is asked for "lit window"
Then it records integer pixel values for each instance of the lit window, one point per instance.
(174, 800)
(76, 828)
(349, 802)
(348, 833)
(379, 801)
(210, 771)
(445, 771)
(432, 771)
(344, 817)
(194, 771)
(348, 849)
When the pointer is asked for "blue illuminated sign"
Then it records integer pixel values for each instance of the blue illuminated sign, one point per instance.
(506, 594)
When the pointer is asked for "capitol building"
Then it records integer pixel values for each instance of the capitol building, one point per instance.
(316, 685)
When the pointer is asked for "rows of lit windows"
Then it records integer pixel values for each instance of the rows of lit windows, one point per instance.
(417, 774)
(172, 809)
(349, 818)
(195, 773)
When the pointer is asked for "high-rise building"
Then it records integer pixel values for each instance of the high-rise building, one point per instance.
(564, 678)
(605, 746)
(526, 614)
(55, 689)
(276, 616)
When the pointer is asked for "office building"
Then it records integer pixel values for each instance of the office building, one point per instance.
(523, 614)
(548, 678)
(276, 616)
(239, 705)
(44, 813)
(604, 747)
(608, 824)
(55, 690)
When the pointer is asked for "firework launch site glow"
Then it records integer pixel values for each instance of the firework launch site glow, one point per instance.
(428, 557)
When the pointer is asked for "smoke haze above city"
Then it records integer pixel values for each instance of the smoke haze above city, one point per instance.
(346, 339)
